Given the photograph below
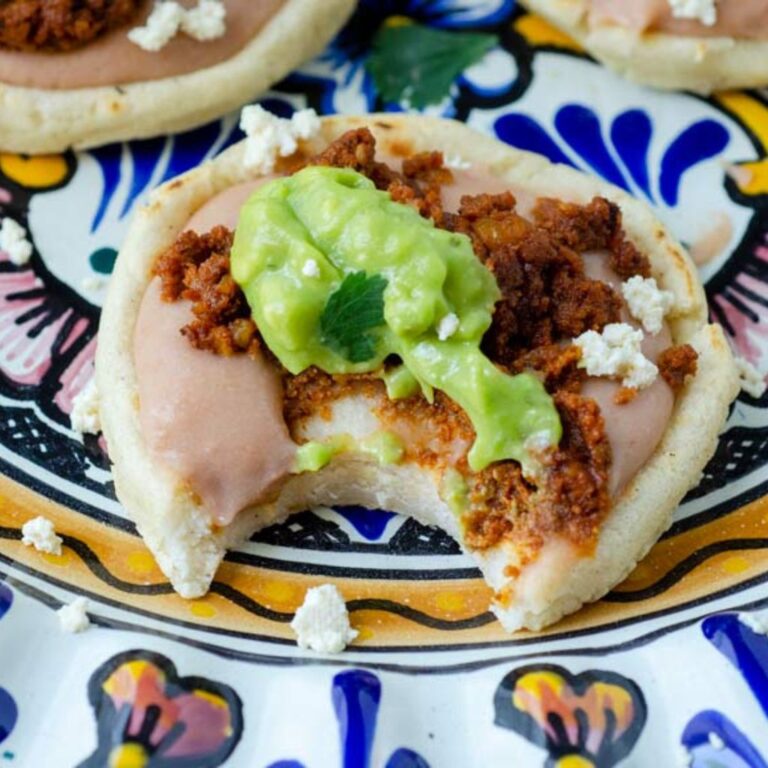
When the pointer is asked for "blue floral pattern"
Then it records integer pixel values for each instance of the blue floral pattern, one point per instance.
(356, 695)
(711, 739)
(681, 154)
(578, 126)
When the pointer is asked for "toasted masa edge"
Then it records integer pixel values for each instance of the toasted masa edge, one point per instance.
(177, 528)
(662, 59)
(36, 121)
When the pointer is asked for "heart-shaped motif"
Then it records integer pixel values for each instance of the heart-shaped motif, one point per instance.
(149, 716)
(593, 718)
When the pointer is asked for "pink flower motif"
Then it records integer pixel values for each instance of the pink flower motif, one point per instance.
(38, 334)
(742, 307)
(143, 707)
(76, 376)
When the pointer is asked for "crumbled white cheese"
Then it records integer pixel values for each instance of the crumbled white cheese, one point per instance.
(684, 757)
(616, 352)
(534, 446)
(40, 533)
(751, 380)
(757, 622)
(85, 410)
(715, 741)
(73, 617)
(456, 162)
(704, 11)
(206, 21)
(270, 136)
(305, 123)
(13, 240)
(92, 284)
(538, 442)
(647, 302)
(160, 28)
(322, 623)
(310, 268)
(447, 326)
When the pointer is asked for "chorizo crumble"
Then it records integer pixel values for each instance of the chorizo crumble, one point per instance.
(60, 25)
(677, 365)
(196, 268)
(546, 299)
(546, 295)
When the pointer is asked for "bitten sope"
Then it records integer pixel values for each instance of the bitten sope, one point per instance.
(698, 45)
(514, 351)
(79, 74)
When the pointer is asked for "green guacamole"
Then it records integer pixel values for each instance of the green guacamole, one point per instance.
(298, 238)
(384, 446)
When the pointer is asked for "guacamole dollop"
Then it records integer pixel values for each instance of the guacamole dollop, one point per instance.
(300, 238)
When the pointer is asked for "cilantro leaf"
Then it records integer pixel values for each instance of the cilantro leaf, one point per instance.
(418, 64)
(351, 312)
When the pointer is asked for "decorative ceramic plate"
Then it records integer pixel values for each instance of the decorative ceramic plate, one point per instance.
(661, 670)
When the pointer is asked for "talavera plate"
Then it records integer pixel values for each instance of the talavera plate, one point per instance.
(660, 673)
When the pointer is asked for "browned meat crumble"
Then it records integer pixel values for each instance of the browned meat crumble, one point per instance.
(546, 299)
(196, 268)
(60, 25)
(677, 365)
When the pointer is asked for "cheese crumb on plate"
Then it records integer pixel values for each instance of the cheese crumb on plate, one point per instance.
(647, 302)
(73, 617)
(13, 240)
(715, 741)
(616, 353)
(684, 757)
(85, 410)
(40, 533)
(321, 623)
(757, 622)
(92, 284)
(751, 380)
(270, 136)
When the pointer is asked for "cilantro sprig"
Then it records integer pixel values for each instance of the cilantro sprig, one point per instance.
(352, 311)
(419, 64)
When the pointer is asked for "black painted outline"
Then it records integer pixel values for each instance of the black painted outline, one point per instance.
(248, 604)
(610, 752)
(362, 605)
(108, 719)
(711, 514)
(431, 669)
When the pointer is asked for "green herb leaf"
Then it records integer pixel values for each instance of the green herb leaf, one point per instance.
(419, 64)
(352, 310)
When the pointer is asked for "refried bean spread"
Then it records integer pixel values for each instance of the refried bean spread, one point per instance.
(559, 267)
(68, 44)
(746, 19)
